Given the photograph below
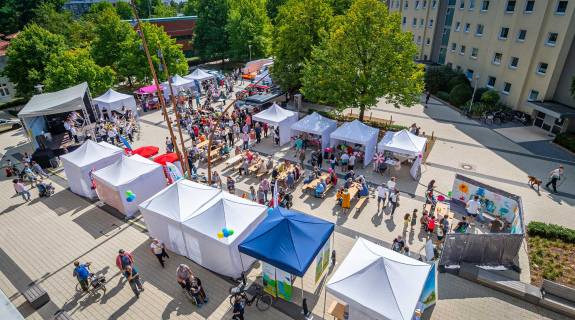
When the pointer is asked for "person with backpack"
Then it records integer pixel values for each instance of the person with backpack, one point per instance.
(82, 274)
(462, 226)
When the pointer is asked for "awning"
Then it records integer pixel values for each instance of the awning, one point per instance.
(552, 108)
(66, 100)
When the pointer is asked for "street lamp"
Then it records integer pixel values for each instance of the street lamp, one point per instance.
(39, 88)
(474, 88)
(250, 46)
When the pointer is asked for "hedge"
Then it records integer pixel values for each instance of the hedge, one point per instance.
(460, 94)
(443, 96)
(551, 231)
(340, 117)
(566, 140)
(13, 103)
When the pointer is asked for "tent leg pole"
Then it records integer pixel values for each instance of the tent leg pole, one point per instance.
(242, 262)
(301, 289)
(324, 300)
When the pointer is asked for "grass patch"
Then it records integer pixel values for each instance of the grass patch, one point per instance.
(551, 259)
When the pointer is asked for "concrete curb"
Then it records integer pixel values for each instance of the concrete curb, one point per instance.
(561, 148)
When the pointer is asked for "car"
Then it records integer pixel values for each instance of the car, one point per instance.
(9, 124)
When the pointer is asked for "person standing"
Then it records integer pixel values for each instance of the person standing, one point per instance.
(495, 225)
(319, 158)
(123, 260)
(246, 140)
(134, 280)
(473, 207)
(30, 175)
(21, 190)
(427, 98)
(346, 201)
(169, 144)
(82, 274)
(382, 193)
(111, 134)
(258, 131)
(398, 244)
(555, 175)
(391, 185)
(158, 248)
(351, 162)
(74, 134)
(304, 138)
(68, 126)
(265, 185)
(105, 114)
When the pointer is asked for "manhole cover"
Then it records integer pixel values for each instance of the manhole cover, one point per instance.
(467, 166)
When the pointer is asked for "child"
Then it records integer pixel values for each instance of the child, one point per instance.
(406, 221)
(253, 192)
(440, 233)
(413, 220)
(430, 225)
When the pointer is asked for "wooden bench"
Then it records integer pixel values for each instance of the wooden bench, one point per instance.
(558, 298)
(262, 174)
(326, 190)
(360, 203)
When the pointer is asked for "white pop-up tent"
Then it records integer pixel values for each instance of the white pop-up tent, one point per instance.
(114, 100)
(89, 157)
(199, 75)
(316, 124)
(359, 133)
(278, 117)
(188, 217)
(178, 84)
(407, 145)
(378, 283)
(143, 177)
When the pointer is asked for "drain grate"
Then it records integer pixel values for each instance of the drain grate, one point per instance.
(467, 166)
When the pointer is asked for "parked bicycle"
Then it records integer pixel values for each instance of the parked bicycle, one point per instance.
(466, 112)
(487, 117)
(521, 117)
(263, 300)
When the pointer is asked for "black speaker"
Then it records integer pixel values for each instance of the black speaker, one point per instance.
(42, 142)
(42, 157)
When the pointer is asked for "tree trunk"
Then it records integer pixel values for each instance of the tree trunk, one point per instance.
(361, 112)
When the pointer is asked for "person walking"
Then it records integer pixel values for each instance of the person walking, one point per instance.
(82, 274)
(158, 248)
(382, 193)
(413, 220)
(427, 98)
(30, 175)
(21, 190)
(133, 277)
(406, 220)
(555, 176)
(394, 201)
(38, 170)
(123, 260)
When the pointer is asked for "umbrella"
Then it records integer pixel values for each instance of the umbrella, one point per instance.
(378, 157)
(146, 152)
(168, 157)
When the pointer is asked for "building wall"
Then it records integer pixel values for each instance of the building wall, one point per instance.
(180, 28)
(79, 7)
(5, 83)
(562, 90)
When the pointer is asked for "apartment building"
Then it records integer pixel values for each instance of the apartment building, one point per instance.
(523, 49)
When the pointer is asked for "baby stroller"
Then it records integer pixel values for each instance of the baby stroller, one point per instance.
(13, 171)
(314, 159)
(46, 190)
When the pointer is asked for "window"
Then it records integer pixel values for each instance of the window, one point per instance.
(533, 95)
(453, 46)
(4, 90)
(430, 23)
(513, 62)
(529, 6)
(510, 7)
(542, 68)
(561, 7)
(449, 64)
(458, 68)
(551, 39)
(521, 35)
(185, 37)
(479, 30)
(469, 74)
(433, 4)
(414, 22)
(406, 5)
(457, 26)
(474, 52)
(421, 23)
(424, 4)
(471, 5)
(397, 4)
(497, 58)
(416, 4)
(461, 4)
(413, 39)
(427, 41)
(404, 20)
(503, 32)
(424, 57)
(485, 5)
(467, 26)
(490, 82)
(506, 87)
(462, 50)
(419, 40)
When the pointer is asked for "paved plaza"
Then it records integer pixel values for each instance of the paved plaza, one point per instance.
(41, 239)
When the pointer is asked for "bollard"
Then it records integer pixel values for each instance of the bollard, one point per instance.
(432, 132)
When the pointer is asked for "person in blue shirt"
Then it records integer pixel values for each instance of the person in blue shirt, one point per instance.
(238, 312)
(82, 274)
(133, 278)
(320, 188)
(364, 191)
(351, 175)
(289, 180)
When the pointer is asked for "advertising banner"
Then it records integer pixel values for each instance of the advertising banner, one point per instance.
(174, 172)
(322, 261)
(429, 295)
(283, 281)
(269, 277)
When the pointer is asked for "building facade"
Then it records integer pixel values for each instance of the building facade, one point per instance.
(7, 91)
(180, 28)
(522, 49)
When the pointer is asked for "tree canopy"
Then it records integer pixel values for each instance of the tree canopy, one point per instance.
(109, 32)
(366, 56)
(272, 8)
(124, 10)
(15, 14)
(211, 39)
(72, 67)
(59, 21)
(28, 56)
(339, 6)
(99, 7)
(300, 25)
(190, 8)
(248, 25)
(163, 11)
(145, 7)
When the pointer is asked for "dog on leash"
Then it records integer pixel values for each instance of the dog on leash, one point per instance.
(534, 182)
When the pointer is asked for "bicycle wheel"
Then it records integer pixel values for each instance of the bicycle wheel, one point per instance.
(232, 300)
(483, 118)
(264, 302)
(497, 120)
(489, 121)
(463, 112)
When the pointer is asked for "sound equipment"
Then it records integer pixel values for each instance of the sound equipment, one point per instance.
(42, 157)
(55, 162)
(42, 142)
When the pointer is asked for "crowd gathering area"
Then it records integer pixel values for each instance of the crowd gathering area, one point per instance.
(284, 189)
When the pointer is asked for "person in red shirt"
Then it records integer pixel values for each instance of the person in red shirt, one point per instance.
(123, 260)
(430, 225)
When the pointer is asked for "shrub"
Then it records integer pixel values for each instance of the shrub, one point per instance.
(443, 95)
(13, 103)
(551, 231)
(566, 140)
(437, 78)
(490, 97)
(460, 94)
(457, 80)
(479, 92)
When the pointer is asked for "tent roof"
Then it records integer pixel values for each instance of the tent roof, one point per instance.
(288, 240)
(180, 200)
(355, 131)
(112, 96)
(126, 170)
(403, 142)
(225, 211)
(90, 152)
(200, 75)
(379, 281)
(274, 113)
(55, 102)
(178, 81)
(148, 89)
(166, 157)
(314, 123)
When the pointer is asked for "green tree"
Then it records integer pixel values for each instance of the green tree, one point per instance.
(28, 56)
(133, 62)
(109, 31)
(190, 8)
(366, 56)
(99, 7)
(457, 80)
(175, 5)
(248, 25)
(339, 6)
(460, 95)
(300, 25)
(490, 97)
(211, 40)
(144, 7)
(15, 14)
(272, 8)
(163, 11)
(58, 21)
(124, 10)
(73, 67)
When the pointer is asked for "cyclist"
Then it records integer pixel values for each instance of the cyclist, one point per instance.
(238, 312)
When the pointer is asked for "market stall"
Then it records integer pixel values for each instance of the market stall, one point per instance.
(197, 77)
(402, 146)
(361, 135)
(146, 152)
(179, 84)
(318, 127)
(82, 162)
(149, 98)
(172, 166)
(278, 117)
(204, 224)
(142, 177)
(378, 283)
(114, 100)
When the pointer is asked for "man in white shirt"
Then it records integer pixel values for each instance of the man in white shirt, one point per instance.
(351, 162)
(158, 248)
(103, 134)
(74, 134)
(111, 135)
(473, 207)
(554, 176)
(67, 126)
(382, 193)
(391, 186)
(344, 162)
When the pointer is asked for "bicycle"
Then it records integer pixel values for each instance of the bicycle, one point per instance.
(263, 300)
(466, 112)
(487, 117)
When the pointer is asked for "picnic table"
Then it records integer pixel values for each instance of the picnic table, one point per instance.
(203, 144)
(440, 209)
(337, 310)
(233, 160)
(254, 167)
(315, 182)
(285, 173)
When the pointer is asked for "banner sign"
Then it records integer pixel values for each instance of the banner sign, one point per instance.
(429, 295)
(269, 277)
(322, 261)
(283, 281)
(172, 172)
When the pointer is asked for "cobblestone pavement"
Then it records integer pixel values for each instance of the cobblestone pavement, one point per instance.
(40, 240)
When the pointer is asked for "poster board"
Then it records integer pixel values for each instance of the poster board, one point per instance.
(284, 284)
(322, 260)
(269, 278)
(429, 293)
(498, 204)
(429, 254)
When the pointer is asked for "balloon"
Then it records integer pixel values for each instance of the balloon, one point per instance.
(420, 156)
(231, 232)
(224, 230)
(129, 199)
(226, 234)
(270, 209)
(128, 193)
(449, 193)
(329, 170)
(133, 196)
(220, 235)
(440, 198)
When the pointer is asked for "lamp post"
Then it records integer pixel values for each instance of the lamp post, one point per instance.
(250, 46)
(474, 88)
(39, 88)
